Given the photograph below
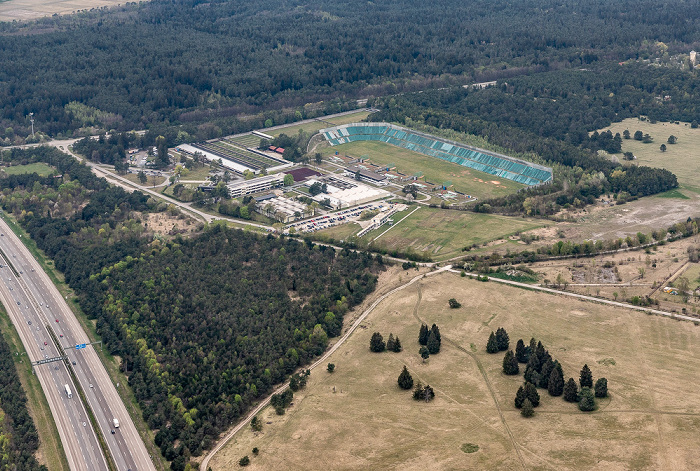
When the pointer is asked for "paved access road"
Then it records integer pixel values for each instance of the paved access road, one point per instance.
(52, 312)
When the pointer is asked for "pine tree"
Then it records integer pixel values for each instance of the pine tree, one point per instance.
(423, 335)
(502, 339)
(527, 410)
(390, 342)
(541, 355)
(510, 363)
(601, 388)
(405, 379)
(587, 401)
(435, 330)
(555, 386)
(424, 353)
(521, 351)
(397, 345)
(532, 394)
(545, 373)
(418, 392)
(534, 363)
(533, 346)
(376, 343)
(433, 344)
(492, 345)
(571, 391)
(586, 379)
(531, 375)
(520, 397)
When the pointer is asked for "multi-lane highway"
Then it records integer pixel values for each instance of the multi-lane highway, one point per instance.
(41, 304)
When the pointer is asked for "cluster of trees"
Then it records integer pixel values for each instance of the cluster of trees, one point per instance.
(498, 341)
(542, 371)
(18, 436)
(454, 304)
(294, 146)
(430, 340)
(281, 401)
(377, 344)
(298, 380)
(423, 393)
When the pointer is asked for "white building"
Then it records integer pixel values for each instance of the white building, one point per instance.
(247, 187)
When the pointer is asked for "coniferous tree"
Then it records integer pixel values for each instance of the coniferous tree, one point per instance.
(601, 387)
(586, 402)
(545, 373)
(531, 375)
(390, 343)
(532, 394)
(424, 353)
(376, 343)
(433, 343)
(423, 335)
(492, 345)
(502, 339)
(521, 351)
(541, 355)
(418, 391)
(520, 397)
(405, 379)
(571, 391)
(532, 346)
(586, 379)
(397, 345)
(510, 363)
(555, 386)
(527, 410)
(534, 363)
(434, 329)
(428, 393)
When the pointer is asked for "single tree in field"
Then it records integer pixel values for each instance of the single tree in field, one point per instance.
(397, 345)
(601, 387)
(586, 402)
(405, 379)
(527, 410)
(433, 344)
(520, 397)
(424, 353)
(256, 424)
(555, 386)
(532, 394)
(454, 304)
(510, 364)
(318, 158)
(376, 343)
(142, 177)
(521, 351)
(502, 339)
(571, 391)
(331, 367)
(626, 133)
(390, 342)
(638, 135)
(586, 379)
(492, 345)
(423, 335)
(662, 148)
(672, 139)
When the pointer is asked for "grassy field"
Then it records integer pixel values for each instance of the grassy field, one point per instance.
(466, 180)
(23, 10)
(358, 418)
(314, 126)
(50, 451)
(41, 168)
(680, 158)
(443, 233)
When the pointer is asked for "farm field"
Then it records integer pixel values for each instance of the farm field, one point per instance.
(22, 10)
(358, 418)
(679, 158)
(41, 168)
(465, 180)
(443, 234)
(314, 126)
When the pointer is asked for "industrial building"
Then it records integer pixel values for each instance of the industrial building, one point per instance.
(247, 187)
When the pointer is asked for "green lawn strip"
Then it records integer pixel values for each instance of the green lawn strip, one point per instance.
(39, 167)
(50, 446)
(675, 193)
(110, 363)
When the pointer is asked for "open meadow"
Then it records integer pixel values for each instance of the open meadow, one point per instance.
(437, 171)
(22, 10)
(358, 418)
(40, 168)
(321, 123)
(680, 158)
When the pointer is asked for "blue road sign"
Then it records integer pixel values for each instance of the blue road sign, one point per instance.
(79, 346)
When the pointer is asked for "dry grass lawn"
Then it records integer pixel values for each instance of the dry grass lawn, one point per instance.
(22, 10)
(358, 418)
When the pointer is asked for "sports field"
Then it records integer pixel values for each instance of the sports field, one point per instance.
(40, 168)
(680, 158)
(443, 234)
(436, 171)
(358, 418)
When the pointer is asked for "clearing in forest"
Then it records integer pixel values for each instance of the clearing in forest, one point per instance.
(358, 418)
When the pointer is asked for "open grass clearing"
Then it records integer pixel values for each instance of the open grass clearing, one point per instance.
(358, 418)
(341, 231)
(23, 10)
(443, 233)
(50, 452)
(40, 168)
(436, 171)
(680, 158)
(150, 182)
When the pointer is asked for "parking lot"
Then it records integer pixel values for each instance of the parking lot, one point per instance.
(339, 217)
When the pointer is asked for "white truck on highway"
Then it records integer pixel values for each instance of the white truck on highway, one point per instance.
(116, 423)
(68, 392)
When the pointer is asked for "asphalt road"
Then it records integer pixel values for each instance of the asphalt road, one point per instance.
(40, 296)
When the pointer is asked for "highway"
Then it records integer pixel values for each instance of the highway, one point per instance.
(39, 298)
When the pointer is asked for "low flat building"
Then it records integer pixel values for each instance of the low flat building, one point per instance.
(248, 187)
(366, 175)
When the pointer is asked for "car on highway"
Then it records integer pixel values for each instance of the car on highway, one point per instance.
(18, 303)
(61, 335)
(29, 322)
(45, 343)
(56, 320)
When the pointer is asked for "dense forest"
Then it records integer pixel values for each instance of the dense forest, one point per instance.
(189, 62)
(18, 437)
(206, 325)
